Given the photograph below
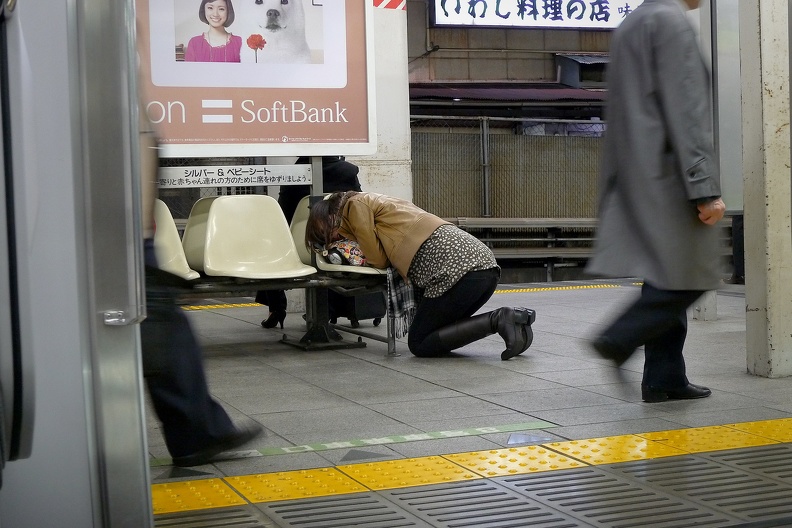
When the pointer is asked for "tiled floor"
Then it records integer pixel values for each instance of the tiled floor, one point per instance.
(323, 409)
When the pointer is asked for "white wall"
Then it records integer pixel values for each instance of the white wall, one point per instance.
(389, 170)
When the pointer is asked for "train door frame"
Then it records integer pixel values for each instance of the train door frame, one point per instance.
(73, 103)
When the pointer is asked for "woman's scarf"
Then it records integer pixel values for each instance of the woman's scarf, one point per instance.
(401, 303)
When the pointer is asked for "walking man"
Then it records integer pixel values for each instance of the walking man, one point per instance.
(659, 191)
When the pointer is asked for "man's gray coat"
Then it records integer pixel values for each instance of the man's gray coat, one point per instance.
(659, 156)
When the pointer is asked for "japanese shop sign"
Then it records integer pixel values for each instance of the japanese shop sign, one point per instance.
(537, 14)
(228, 78)
(234, 176)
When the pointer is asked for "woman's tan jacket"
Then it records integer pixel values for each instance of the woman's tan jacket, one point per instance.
(389, 230)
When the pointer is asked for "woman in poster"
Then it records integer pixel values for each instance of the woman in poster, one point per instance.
(217, 44)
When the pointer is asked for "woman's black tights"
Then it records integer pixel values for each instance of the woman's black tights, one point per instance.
(459, 303)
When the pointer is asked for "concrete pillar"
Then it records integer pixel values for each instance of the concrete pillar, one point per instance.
(389, 171)
(764, 45)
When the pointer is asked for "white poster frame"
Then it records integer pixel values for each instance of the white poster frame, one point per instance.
(268, 110)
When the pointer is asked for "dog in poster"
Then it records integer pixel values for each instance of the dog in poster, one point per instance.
(282, 24)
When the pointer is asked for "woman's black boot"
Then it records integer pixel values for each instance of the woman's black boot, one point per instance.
(512, 324)
(274, 319)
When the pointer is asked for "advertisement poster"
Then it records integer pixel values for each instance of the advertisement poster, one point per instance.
(224, 78)
(539, 14)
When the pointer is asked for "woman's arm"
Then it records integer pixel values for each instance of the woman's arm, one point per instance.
(360, 220)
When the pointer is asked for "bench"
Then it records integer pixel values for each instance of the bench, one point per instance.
(241, 243)
(467, 223)
(550, 240)
(543, 253)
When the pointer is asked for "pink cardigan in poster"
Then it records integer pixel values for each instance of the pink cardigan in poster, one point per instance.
(199, 50)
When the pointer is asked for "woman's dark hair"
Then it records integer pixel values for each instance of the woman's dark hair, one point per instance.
(229, 8)
(322, 220)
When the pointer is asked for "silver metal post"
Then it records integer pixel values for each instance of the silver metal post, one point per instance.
(485, 165)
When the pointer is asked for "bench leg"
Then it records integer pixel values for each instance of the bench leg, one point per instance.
(320, 335)
(391, 326)
(390, 338)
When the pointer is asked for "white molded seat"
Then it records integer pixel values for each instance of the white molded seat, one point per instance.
(195, 233)
(299, 221)
(297, 227)
(324, 265)
(247, 236)
(168, 244)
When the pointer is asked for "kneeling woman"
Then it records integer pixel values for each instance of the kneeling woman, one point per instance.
(452, 270)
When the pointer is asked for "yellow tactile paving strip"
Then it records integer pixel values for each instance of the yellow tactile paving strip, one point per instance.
(702, 439)
(780, 430)
(287, 485)
(560, 288)
(406, 473)
(193, 495)
(513, 461)
(613, 449)
(392, 474)
(193, 307)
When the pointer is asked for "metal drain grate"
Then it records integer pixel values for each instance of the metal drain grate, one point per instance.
(745, 495)
(605, 500)
(247, 517)
(364, 510)
(771, 461)
(478, 504)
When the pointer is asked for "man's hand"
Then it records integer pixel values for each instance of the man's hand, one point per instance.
(711, 212)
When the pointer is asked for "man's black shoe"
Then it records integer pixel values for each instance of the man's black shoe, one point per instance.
(243, 434)
(610, 350)
(689, 392)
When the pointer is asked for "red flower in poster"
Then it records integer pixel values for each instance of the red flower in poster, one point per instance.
(256, 42)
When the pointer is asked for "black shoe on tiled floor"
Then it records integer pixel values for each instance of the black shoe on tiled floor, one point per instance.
(689, 392)
(244, 433)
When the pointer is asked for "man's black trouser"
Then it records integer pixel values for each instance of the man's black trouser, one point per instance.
(173, 367)
(657, 320)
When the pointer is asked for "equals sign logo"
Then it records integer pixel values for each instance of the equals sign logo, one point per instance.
(216, 118)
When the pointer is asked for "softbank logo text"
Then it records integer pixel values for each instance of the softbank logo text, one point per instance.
(223, 111)
(293, 112)
(216, 104)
